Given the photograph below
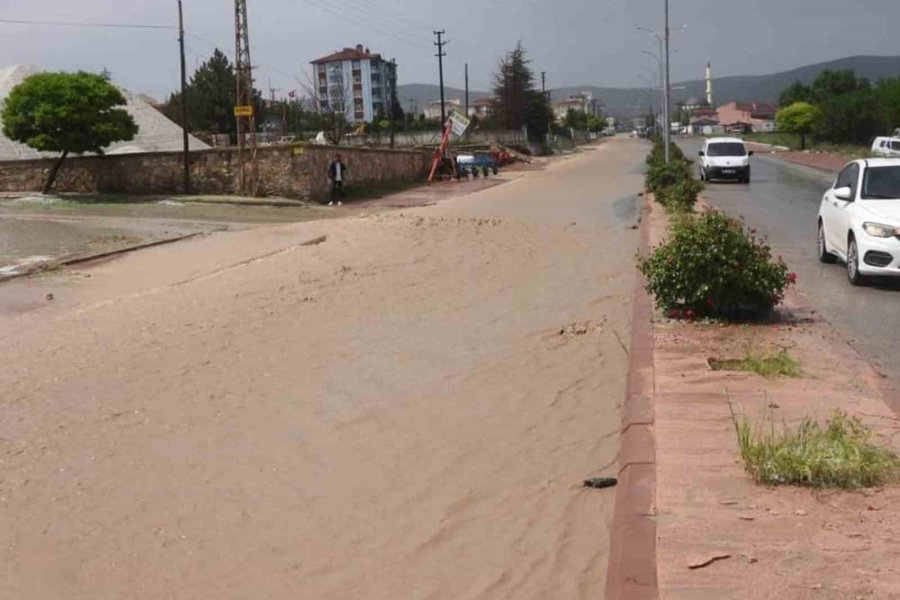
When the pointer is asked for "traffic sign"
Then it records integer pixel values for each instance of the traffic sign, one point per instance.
(243, 111)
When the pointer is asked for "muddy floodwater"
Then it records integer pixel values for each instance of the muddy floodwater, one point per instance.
(46, 230)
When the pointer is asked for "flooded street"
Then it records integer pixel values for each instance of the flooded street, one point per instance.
(46, 231)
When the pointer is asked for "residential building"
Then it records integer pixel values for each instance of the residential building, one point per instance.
(756, 116)
(433, 109)
(356, 82)
(482, 108)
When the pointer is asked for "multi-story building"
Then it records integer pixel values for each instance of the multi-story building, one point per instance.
(355, 82)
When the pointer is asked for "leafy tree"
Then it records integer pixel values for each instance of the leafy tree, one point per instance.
(796, 92)
(799, 118)
(888, 91)
(211, 98)
(836, 83)
(66, 113)
(596, 123)
(576, 119)
(850, 118)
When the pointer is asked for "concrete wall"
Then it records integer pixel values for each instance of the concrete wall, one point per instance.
(295, 171)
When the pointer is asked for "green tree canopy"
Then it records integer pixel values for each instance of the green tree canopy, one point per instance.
(888, 91)
(799, 118)
(517, 101)
(66, 113)
(796, 92)
(210, 96)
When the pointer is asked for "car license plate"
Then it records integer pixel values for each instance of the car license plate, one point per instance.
(728, 171)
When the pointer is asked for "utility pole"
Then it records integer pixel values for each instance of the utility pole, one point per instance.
(467, 90)
(440, 43)
(668, 88)
(392, 96)
(244, 76)
(184, 125)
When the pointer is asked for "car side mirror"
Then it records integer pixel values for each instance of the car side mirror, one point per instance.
(702, 153)
(844, 193)
(750, 153)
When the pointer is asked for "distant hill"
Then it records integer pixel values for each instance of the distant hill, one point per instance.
(626, 102)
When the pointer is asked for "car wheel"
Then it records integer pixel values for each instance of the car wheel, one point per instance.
(747, 177)
(853, 263)
(824, 255)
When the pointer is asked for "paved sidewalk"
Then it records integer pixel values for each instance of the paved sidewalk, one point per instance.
(786, 542)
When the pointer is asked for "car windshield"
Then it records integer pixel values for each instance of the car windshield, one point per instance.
(881, 183)
(726, 149)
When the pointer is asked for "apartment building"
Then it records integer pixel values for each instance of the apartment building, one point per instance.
(356, 82)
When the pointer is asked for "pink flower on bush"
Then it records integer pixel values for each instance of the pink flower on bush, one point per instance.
(689, 314)
(792, 278)
(674, 313)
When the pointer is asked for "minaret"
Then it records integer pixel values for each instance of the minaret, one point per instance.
(709, 98)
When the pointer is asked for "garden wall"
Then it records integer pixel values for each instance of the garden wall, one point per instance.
(291, 171)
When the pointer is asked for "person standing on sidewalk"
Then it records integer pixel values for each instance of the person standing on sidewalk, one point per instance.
(337, 173)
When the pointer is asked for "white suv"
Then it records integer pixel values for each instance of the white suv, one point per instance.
(725, 158)
(859, 219)
(887, 147)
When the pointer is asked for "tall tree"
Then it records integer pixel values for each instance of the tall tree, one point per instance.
(888, 91)
(66, 113)
(210, 98)
(513, 86)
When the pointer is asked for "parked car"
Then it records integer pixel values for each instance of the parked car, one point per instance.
(859, 219)
(888, 147)
(725, 158)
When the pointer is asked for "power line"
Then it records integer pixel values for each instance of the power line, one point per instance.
(76, 24)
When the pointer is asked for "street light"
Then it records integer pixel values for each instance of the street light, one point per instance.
(661, 36)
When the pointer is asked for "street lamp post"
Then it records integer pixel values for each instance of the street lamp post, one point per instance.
(663, 38)
(668, 90)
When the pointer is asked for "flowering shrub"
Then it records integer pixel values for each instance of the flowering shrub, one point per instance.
(712, 267)
(661, 175)
(681, 196)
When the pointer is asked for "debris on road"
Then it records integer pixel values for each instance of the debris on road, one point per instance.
(600, 482)
(698, 562)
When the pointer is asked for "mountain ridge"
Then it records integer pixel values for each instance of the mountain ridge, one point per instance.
(626, 102)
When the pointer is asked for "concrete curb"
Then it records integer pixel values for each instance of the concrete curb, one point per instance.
(106, 254)
(631, 571)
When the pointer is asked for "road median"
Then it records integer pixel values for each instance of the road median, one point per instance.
(719, 534)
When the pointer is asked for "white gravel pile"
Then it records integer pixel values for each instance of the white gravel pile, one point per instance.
(156, 133)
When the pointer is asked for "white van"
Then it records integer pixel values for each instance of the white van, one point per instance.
(888, 147)
(725, 158)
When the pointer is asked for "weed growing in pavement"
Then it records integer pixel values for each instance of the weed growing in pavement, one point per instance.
(838, 454)
(774, 364)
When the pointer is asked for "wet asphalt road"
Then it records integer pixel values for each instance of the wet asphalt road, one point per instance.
(782, 202)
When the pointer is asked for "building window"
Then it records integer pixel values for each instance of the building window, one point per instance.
(357, 79)
(355, 65)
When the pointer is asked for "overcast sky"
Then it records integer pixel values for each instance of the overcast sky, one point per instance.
(578, 42)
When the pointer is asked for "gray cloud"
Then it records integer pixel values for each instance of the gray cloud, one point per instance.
(575, 41)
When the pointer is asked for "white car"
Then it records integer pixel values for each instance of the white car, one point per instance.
(859, 219)
(887, 147)
(725, 158)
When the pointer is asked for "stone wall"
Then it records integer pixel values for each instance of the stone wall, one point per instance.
(296, 171)
(433, 138)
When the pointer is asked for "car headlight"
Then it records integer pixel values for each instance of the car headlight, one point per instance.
(881, 231)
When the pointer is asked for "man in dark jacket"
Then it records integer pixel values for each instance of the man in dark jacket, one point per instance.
(337, 173)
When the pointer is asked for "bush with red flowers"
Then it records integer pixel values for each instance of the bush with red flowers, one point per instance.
(712, 267)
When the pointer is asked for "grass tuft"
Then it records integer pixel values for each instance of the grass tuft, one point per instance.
(774, 364)
(836, 455)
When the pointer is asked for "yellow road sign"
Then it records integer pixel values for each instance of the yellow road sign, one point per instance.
(243, 111)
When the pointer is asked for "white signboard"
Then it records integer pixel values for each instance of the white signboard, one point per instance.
(459, 123)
